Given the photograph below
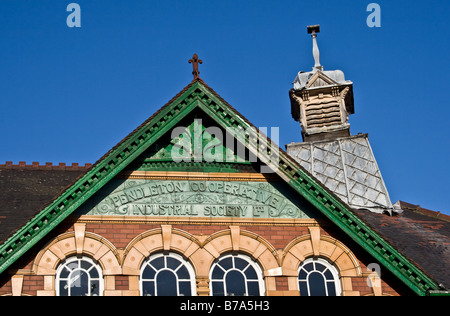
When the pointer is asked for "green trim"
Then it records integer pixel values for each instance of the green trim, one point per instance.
(195, 167)
(198, 95)
(439, 293)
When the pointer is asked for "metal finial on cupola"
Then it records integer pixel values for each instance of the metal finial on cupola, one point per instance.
(321, 100)
(313, 30)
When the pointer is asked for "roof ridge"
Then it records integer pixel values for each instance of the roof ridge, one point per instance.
(47, 165)
(419, 209)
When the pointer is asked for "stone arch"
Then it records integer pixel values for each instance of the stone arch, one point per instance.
(245, 242)
(77, 243)
(164, 239)
(237, 240)
(200, 252)
(320, 246)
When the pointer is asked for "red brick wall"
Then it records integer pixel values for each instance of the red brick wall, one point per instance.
(121, 234)
(32, 283)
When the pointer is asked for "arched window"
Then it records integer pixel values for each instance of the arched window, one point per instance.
(167, 275)
(79, 277)
(236, 275)
(317, 277)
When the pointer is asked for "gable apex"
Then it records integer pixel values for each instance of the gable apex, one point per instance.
(319, 79)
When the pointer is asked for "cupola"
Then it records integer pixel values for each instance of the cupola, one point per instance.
(321, 100)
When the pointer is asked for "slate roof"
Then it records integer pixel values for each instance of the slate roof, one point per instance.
(27, 189)
(421, 235)
(348, 168)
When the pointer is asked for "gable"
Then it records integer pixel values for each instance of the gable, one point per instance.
(320, 80)
(195, 142)
(198, 96)
(198, 170)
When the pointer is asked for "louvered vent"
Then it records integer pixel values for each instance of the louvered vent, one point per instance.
(323, 114)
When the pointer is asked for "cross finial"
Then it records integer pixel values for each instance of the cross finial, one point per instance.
(313, 30)
(195, 61)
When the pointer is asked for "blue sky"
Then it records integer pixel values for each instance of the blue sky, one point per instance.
(70, 94)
